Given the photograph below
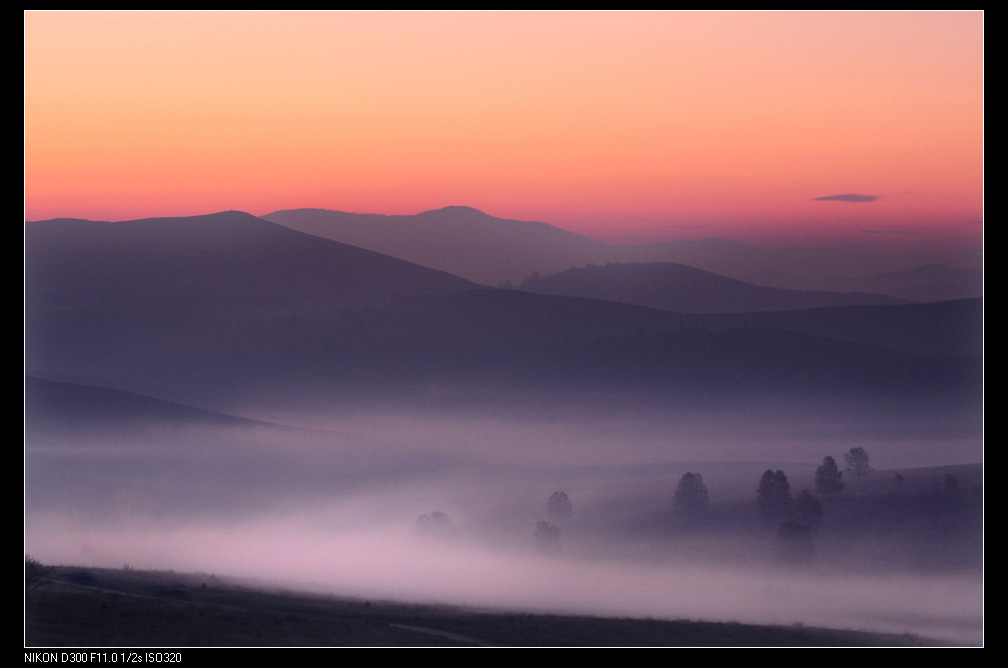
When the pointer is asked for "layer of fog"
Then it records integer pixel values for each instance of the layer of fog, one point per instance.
(307, 553)
(335, 511)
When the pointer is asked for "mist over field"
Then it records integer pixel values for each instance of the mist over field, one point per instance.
(333, 507)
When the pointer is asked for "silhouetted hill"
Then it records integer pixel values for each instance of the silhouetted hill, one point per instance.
(229, 258)
(457, 239)
(938, 328)
(485, 343)
(214, 309)
(493, 251)
(829, 268)
(52, 407)
(677, 287)
(499, 337)
(98, 607)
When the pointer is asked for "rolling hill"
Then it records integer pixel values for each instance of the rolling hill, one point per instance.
(679, 288)
(223, 258)
(212, 310)
(496, 251)
(457, 239)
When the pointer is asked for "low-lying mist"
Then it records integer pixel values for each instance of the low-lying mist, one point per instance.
(441, 509)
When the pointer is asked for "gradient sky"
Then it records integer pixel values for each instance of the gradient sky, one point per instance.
(615, 125)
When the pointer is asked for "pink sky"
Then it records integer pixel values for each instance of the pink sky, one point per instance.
(610, 124)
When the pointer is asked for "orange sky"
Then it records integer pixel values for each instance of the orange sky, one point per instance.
(611, 124)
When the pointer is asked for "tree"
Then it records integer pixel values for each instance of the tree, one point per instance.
(691, 495)
(36, 574)
(774, 494)
(827, 478)
(436, 526)
(857, 463)
(559, 506)
(547, 536)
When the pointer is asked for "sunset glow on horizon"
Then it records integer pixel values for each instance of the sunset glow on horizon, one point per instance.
(616, 125)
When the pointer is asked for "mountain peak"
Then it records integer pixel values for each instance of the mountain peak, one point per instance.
(458, 211)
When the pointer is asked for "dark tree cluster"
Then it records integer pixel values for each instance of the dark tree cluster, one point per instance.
(827, 478)
(547, 533)
(437, 526)
(774, 494)
(691, 496)
(800, 514)
(36, 574)
(558, 507)
(857, 463)
(547, 537)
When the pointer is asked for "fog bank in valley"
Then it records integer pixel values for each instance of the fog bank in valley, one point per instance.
(336, 507)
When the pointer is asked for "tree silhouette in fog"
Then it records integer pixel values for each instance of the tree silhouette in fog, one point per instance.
(558, 507)
(547, 536)
(691, 496)
(857, 463)
(436, 526)
(774, 494)
(827, 478)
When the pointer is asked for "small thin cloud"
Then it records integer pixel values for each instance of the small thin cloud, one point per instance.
(848, 197)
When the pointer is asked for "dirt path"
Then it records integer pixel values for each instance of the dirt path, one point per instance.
(469, 640)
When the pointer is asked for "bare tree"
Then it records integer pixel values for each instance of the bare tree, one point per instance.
(857, 463)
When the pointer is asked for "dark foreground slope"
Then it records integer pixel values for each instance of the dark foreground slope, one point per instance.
(101, 607)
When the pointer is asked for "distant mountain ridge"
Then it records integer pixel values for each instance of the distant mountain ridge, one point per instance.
(495, 251)
(677, 287)
(931, 282)
(231, 256)
(457, 239)
(212, 310)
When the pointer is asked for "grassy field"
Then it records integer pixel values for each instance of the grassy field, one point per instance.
(92, 607)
